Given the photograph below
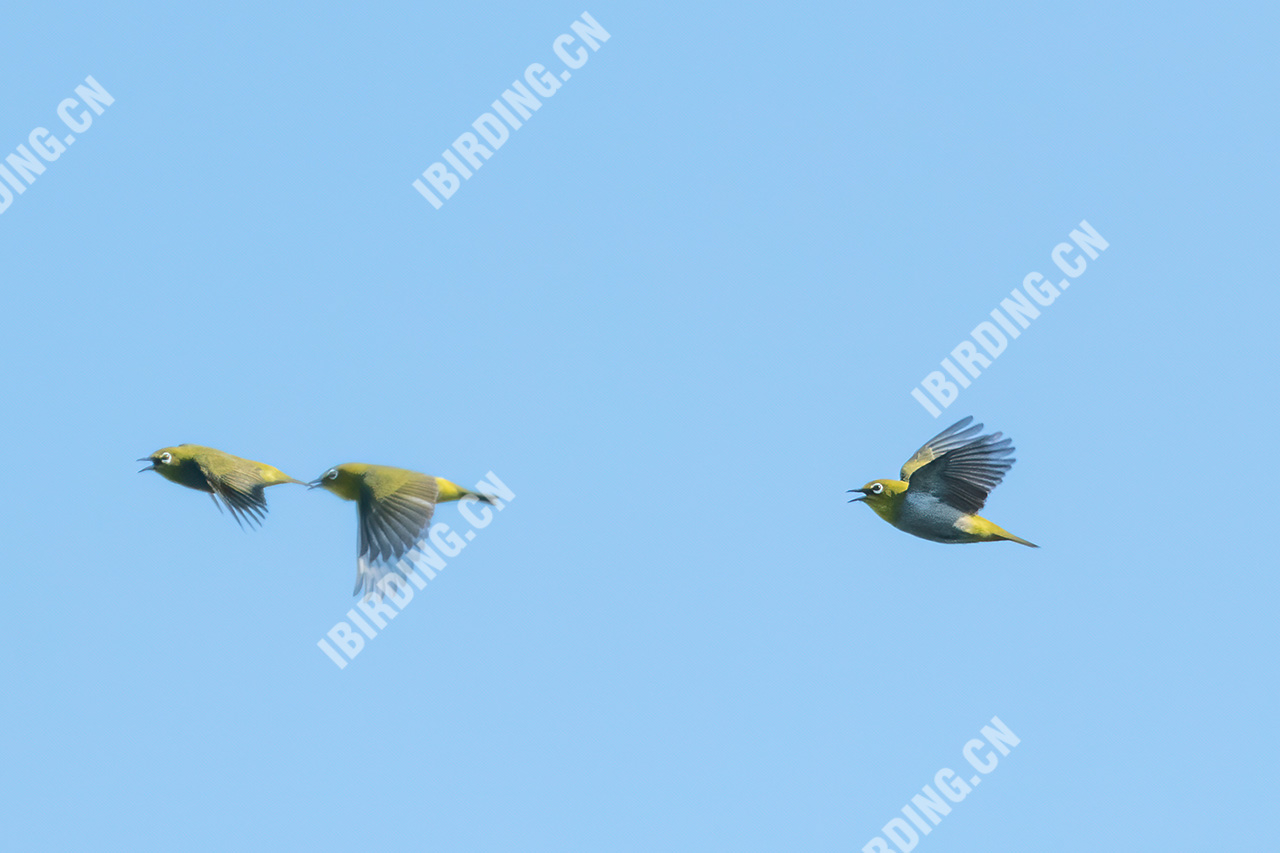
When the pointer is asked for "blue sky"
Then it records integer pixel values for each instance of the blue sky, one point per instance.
(678, 313)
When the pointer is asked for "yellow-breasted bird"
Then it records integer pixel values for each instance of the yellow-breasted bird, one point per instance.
(394, 508)
(237, 482)
(944, 485)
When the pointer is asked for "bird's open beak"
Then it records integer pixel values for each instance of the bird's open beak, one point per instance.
(314, 484)
(150, 467)
(865, 493)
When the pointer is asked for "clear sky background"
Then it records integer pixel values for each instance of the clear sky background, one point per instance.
(679, 313)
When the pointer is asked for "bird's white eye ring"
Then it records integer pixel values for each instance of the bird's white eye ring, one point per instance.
(876, 488)
(166, 458)
(331, 474)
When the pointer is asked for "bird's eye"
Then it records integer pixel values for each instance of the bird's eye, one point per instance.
(331, 474)
(166, 458)
(876, 488)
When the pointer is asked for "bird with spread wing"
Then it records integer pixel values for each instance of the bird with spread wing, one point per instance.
(943, 486)
(394, 507)
(237, 483)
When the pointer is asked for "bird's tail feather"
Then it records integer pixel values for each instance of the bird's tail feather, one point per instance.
(450, 491)
(273, 480)
(1004, 534)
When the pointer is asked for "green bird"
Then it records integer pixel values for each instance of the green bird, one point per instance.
(394, 508)
(237, 482)
(944, 485)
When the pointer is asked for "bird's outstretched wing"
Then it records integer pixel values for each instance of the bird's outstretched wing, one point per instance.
(241, 492)
(956, 435)
(392, 525)
(959, 468)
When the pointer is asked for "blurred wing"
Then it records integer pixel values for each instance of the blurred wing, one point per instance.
(392, 527)
(241, 493)
(950, 438)
(964, 476)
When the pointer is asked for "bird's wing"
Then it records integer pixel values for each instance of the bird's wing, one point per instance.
(241, 492)
(964, 475)
(956, 435)
(392, 526)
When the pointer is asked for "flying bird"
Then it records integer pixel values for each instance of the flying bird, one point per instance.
(237, 482)
(943, 486)
(394, 508)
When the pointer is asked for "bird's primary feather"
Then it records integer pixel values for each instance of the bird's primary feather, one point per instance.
(394, 515)
(956, 435)
(963, 476)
